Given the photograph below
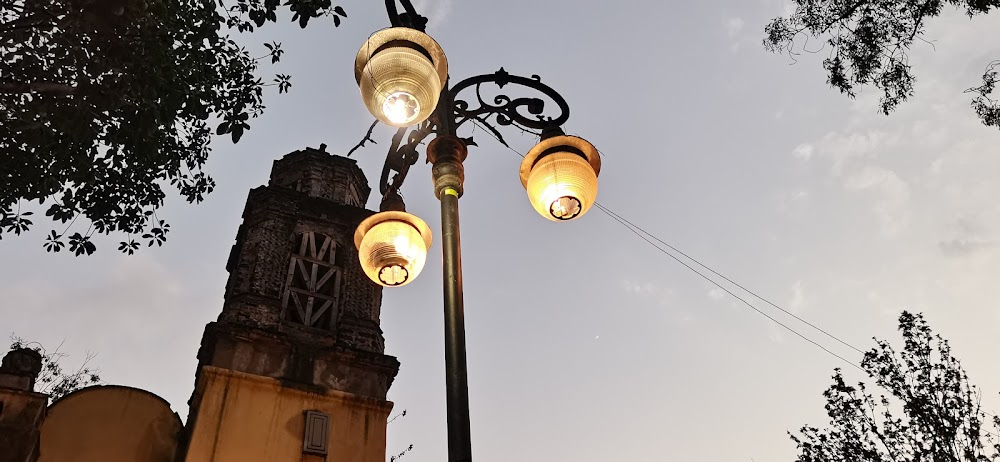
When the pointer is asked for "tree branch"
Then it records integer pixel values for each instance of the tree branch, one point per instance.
(368, 137)
(26, 22)
(38, 87)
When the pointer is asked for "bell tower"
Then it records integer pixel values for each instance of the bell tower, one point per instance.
(294, 368)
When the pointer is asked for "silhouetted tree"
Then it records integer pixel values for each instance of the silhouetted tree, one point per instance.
(931, 412)
(54, 380)
(104, 101)
(868, 42)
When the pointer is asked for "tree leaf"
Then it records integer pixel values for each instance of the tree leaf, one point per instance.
(237, 133)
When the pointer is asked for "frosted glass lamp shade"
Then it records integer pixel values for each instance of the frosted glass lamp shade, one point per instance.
(560, 176)
(401, 72)
(392, 247)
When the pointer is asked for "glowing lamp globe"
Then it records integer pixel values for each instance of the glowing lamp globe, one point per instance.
(401, 72)
(392, 247)
(560, 176)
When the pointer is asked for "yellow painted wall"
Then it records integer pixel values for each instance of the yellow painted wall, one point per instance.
(243, 417)
(109, 424)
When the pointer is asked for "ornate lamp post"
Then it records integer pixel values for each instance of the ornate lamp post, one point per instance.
(403, 76)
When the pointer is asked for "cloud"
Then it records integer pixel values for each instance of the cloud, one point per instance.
(776, 333)
(662, 300)
(798, 300)
(661, 295)
(929, 158)
(803, 151)
(716, 294)
(855, 159)
(793, 200)
(436, 11)
(893, 196)
(970, 237)
(959, 247)
(733, 26)
(937, 166)
(846, 149)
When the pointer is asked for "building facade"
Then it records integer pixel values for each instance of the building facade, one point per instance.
(295, 366)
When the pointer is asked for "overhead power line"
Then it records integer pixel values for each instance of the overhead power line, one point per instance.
(642, 235)
(633, 226)
(647, 236)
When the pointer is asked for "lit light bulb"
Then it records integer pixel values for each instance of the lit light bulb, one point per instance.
(393, 275)
(560, 176)
(400, 72)
(401, 108)
(404, 246)
(561, 206)
(392, 247)
(562, 186)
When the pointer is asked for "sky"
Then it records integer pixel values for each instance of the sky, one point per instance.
(584, 342)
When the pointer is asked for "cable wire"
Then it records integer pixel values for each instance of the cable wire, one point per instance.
(716, 284)
(675, 249)
(638, 231)
(642, 234)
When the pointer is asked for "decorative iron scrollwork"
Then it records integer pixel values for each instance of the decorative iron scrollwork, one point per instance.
(402, 156)
(507, 110)
(526, 113)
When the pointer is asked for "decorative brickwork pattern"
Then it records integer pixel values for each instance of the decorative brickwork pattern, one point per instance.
(312, 288)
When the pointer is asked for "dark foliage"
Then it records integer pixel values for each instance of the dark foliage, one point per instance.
(931, 412)
(866, 42)
(103, 102)
(987, 109)
(53, 379)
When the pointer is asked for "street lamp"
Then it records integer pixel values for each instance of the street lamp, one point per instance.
(560, 175)
(401, 72)
(392, 244)
(403, 77)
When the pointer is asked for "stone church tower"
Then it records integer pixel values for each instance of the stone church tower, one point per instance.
(294, 368)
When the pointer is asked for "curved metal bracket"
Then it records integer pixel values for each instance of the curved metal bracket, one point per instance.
(528, 114)
(507, 110)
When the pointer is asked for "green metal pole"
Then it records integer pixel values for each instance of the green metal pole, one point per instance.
(446, 154)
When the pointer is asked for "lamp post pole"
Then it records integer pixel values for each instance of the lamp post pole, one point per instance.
(559, 173)
(446, 153)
